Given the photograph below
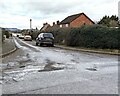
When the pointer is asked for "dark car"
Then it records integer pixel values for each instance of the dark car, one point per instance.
(45, 39)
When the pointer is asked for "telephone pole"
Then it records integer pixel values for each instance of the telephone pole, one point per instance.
(30, 23)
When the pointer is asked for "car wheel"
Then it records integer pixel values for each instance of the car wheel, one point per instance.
(36, 44)
(52, 45)
(41, 44)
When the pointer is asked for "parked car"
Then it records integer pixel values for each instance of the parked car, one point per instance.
(21, 36)
(27, 38)
(45, 39)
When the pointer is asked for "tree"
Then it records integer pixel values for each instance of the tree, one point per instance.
(114, 17)
(113, 23)
(109, 21)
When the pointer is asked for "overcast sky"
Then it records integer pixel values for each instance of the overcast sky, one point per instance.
(17, 13)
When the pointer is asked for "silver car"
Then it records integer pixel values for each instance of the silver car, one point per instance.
(27, 38)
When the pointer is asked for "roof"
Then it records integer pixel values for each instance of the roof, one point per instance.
(45, 27)
(71, 18)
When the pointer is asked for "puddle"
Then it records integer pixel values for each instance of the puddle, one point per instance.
(91, 69)
(22, 66)
(24, 61)
(74, 61)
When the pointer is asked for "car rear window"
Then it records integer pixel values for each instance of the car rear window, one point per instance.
(47, 35)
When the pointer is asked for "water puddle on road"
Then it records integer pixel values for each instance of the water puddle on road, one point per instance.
(91, 69)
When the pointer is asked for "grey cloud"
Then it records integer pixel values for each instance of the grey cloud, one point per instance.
(38, 8)
(56, 9)
(49, 7)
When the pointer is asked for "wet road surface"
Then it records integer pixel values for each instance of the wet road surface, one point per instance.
(49, 70)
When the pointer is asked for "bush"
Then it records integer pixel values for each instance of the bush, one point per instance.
(7, 34)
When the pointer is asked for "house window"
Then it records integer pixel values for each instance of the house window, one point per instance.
(67, 25)
(60, 26)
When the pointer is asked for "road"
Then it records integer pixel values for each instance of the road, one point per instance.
(50, 70)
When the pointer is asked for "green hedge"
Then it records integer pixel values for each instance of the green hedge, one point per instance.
(5, 32)
(87, 36)
(94, 37)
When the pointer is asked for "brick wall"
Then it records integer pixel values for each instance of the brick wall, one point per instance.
(81, 21)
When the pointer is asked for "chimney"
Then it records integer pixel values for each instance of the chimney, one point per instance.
(45, 24)
(53, 23)
(58, 22)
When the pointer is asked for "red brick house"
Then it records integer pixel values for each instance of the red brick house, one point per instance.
(76, 20)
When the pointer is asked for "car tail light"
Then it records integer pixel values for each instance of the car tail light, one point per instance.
(42, 38)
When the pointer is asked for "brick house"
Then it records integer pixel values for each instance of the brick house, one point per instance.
(45, 27)
(76, 20)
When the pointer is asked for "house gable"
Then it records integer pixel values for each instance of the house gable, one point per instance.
(69, 19)
(76, 20)
(45, 27)
(81, 20)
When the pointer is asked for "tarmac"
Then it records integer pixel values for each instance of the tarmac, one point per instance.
(8, 47)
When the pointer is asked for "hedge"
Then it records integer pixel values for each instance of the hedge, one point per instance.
(87, 36)
(94, 37)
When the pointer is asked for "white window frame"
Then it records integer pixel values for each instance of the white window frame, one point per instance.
(67, 25)
(61, 26)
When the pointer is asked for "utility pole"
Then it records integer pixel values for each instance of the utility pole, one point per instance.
(119, 12)
(30, 27)
(30, 23)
